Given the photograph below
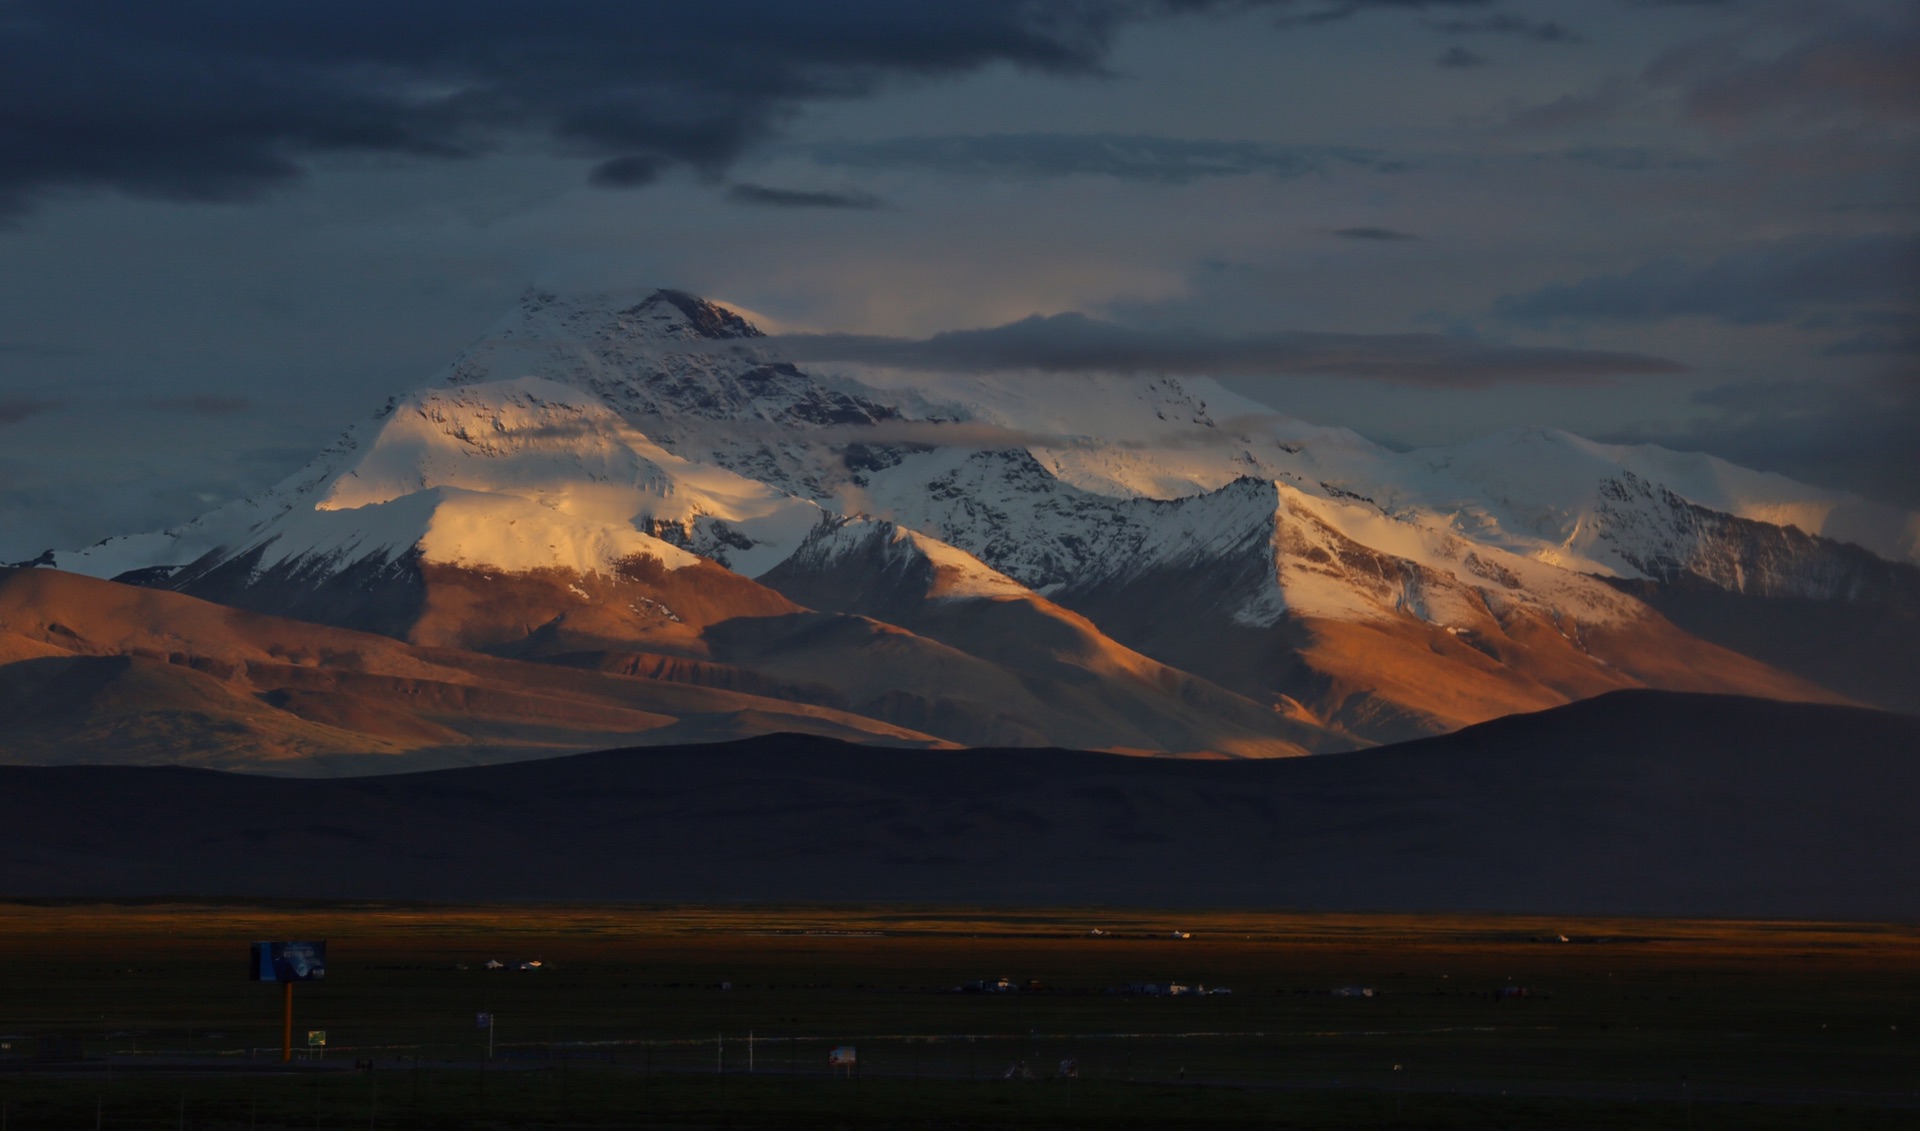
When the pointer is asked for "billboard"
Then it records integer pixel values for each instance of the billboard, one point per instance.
(842, 1057)
(288, 961)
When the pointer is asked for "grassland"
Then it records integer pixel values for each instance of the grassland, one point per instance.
(1630, 1023)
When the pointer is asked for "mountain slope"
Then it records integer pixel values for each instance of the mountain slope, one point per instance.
(249, 684)
(885, 571)
(1634, 803)
(111, 673)
(601, 481)
(1383, 628)
(511, 517)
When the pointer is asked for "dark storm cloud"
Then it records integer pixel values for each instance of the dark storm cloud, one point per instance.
(1376, 234)
(222, 100)
(13, 410)
(1138, 157)
(1769, 283)
(1460, 57)
(799, 198)
(1074, 343)
(1501, 23)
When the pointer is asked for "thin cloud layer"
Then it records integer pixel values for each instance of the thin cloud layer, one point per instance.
(1333, 11)
(223, 100)
(1851, 436)
(765, 196)
(1459, 58)
(976, 435)
(1376, 235)
(1862, 74)
(13, 410)
(1135, 157)
(1503, 23)
(1074, 343)
(1768, 283)
(202, 404)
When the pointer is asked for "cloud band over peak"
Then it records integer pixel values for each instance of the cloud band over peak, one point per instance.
(1075, 343)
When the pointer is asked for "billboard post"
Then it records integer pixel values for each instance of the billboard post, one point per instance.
(287, 963)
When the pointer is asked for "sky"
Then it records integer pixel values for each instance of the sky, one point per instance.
(228, 230)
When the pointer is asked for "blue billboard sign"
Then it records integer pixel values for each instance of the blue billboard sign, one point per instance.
(288, 961)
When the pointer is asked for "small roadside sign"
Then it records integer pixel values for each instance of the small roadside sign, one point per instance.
(842, 1057)
(316, 1038)
(483, 1020)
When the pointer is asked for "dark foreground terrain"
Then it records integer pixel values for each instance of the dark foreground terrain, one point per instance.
(140, 1016)
(1637, 803)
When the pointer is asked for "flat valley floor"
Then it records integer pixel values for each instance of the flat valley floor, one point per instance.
(141, 1015)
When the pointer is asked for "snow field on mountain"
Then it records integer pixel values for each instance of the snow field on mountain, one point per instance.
(575, 473)
(582, 427)
(1545, 483)
(1434, 574)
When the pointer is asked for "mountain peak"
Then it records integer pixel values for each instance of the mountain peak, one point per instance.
(660, 314)
(709, 319)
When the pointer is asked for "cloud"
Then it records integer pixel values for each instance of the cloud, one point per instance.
(13, 410)
(983, 436)
(1863, 74)
(1460, 57)
(1376, 234)
(225, 100)
(1633, 159)
(1332, 11)
(764, 196)
(1500, 23)
(202, 404)
(1852, 436)
(1766, 283)
(631, 171)
(37, 350)
(1879, 342)
(1137, 157)
(1074, 343)
(1571, 111)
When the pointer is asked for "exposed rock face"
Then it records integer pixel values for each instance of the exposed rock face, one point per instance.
(1670, 540)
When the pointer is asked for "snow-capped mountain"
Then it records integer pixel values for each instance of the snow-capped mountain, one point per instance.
(511, 475)
(691, 375)
(639, 463)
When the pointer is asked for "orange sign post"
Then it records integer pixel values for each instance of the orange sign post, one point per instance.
(287, 963)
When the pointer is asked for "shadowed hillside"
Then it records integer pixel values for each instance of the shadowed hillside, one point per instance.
(1634, 802)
